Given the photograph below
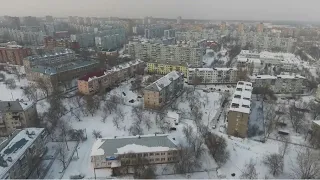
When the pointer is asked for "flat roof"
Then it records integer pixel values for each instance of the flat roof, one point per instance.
(241, 101)
(16, 148)
(111, 147)
(281, 76)
(212, 69)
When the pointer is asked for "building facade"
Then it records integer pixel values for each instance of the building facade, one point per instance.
(212, 75)
(166, 54)
(16, 115)
(93, 82)
(120, 151)
(13, 54)
(24, 37)
(318, 93)
(239, 111)
(22, 153)
(282, 84)
(162, 91)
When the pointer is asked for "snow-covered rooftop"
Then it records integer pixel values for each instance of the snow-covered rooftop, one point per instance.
(17, 147)
(317, 122)
(212, 69)
(282, 76)
(110, 147)
(164, 81)
(242, 97)
(99, 74)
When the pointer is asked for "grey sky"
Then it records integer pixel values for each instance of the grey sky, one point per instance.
(196, 9)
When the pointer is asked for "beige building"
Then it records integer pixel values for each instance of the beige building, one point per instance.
(93, 82)
(213, 75)
(21, 153)
(239, 111)
(282, 84)
(117, 151)
(162, 91)
(17, 115)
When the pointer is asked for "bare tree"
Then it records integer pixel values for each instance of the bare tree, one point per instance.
(275, 163)
(30, 92)
(96, 134)
(249, 171)
(116, 122)
(17, 73)
(2, 77)
(314, 109)
(135, 129)
(217, 148)
(196, 80)
(195, 141)
(43, 86)
(186, 160)
(92, 104)
(10, 83)
(62, 154)
(284, 148)
(271, 118)
(296, 117)
(307, 165)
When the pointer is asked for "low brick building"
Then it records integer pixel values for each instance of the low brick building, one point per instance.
(13, 54)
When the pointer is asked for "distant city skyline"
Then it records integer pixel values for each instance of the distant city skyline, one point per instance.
(188, 9)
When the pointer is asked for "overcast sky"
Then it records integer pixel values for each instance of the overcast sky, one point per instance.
(307, 10)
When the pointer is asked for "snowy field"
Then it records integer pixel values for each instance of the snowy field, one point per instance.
(241, 150)
(12, 94)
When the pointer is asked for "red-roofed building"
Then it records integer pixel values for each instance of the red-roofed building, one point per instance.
(92, 82)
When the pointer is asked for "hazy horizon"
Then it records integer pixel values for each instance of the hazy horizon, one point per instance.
(189, 9)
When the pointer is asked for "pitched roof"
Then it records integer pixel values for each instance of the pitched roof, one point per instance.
(119, 145)
(164, 81)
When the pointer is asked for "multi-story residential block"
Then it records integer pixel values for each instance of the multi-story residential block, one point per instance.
(154, 32)
(30, 21)
(123, 151)
(57, 57)
(179, 20)
(212, 75)
(240, 28)
(167, 68)
(49, 18)
(239, 111)
(280, 84)
(223, 26)
(22, 152)
(318, 93)
(198, 35)
(110, 42)
(166, 54)
(264, 41)
(13, 54)
(16, 115)
(162, 91)
(63, 73)
(260, 27)
(12, 22)
(85, 40)
(169, 33)
(24, 37)
(93, 82)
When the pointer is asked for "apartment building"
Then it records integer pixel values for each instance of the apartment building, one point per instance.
(260, 27)
(12, 53)
(16, 115)
(24, 37)
(282, 84)
(51, 43)
(264, 41)
(212, 75)
(22, 152)
(318, 93)
(118, 151)
(85, 40)
(239, 111)
(56, 57)
(93, 82)
(162, 91)
(169, 33)
(166, 54)
(198, 35)
(110, 42)
(155, 31)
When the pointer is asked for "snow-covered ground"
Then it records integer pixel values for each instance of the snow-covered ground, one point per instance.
(12, 94)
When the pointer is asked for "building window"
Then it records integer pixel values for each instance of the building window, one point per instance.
(157, 159)
(151, 154)
(145, 155)
(169, 154)
(151, 160)
(163, 153)
(163, 159)
(157, 154)
(169, 159)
